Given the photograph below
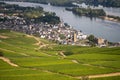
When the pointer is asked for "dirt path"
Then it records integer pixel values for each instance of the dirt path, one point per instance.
(93, 65)
(48, 71)
(38, 42)
(101, 75)
(24, 54)
(105, 75)
(7, 50)
(8, 61)
(80, 77)
(4, 37)
(75, 61)
(37, 39)
(62, 54)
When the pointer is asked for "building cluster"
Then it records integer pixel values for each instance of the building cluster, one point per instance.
(60, 33)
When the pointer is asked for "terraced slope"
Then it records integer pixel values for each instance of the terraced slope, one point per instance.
(25, 57)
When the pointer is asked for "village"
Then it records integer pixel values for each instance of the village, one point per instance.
(47, 26)
(60, 33)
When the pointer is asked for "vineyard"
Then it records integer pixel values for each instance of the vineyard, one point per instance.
(25, 57)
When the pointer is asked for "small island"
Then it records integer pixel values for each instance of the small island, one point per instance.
(89, 12)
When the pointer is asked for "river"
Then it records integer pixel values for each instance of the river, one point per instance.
(100, 28)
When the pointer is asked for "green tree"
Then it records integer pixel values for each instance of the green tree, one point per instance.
(1, 53)
(92, 39)
(62, 36)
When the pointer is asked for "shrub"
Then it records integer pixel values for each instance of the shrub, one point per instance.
(67, 53)
(1, 53)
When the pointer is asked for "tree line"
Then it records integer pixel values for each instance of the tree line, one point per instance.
(106, 3)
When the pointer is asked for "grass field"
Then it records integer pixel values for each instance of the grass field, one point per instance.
(46, 63)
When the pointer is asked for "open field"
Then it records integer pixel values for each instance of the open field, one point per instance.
(49, 61)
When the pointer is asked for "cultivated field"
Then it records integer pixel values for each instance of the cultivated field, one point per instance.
(25, 57)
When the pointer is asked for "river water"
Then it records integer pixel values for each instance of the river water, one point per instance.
(100, 28)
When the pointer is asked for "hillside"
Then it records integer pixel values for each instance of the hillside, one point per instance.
(26, 57)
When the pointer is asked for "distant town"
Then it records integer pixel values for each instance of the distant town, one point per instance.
(61, 33)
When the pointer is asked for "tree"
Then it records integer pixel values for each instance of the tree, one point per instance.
(1, 53)
(92, 39)
(49, 19)
(62, 36)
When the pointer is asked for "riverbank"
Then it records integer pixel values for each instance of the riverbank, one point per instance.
(111, 18)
